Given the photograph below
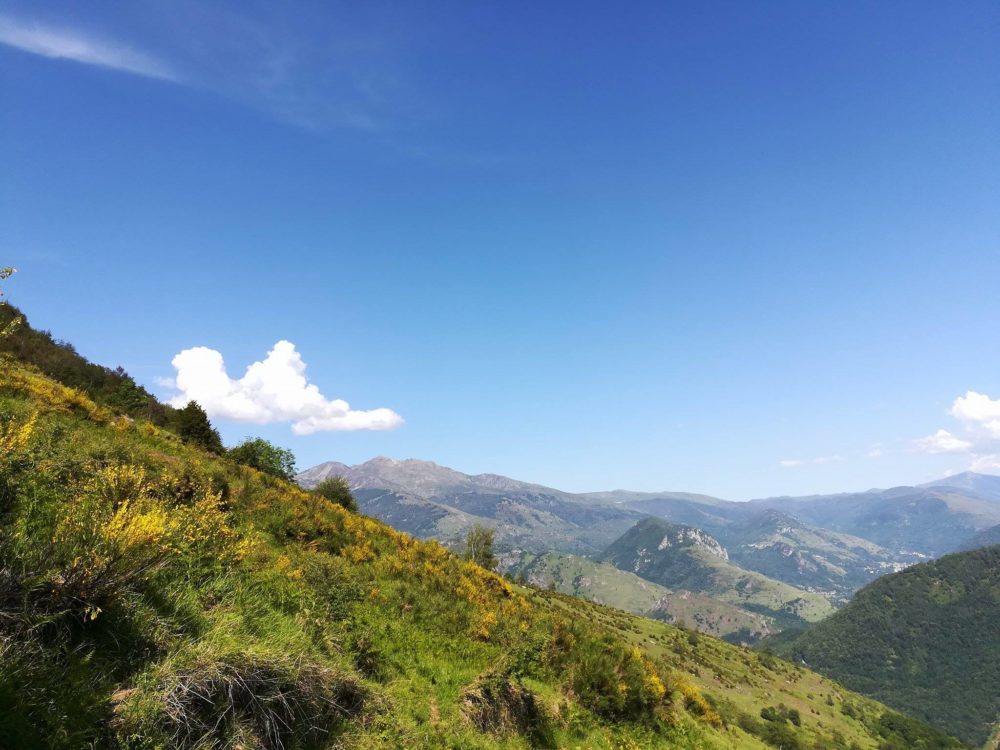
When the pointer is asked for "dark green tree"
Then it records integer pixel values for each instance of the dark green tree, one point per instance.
(192, 425)
(128, 397)
(337, 490)
(265, 457)
(479, 546)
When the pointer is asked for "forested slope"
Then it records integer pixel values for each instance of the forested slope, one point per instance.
(925, 640)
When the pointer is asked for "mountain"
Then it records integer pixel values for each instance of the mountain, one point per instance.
(443, 503)
(910, 522)
(824, 545)
(778, 544)
(925, 640)
(816, 559)
(683, 557)
(424, 478)
(605, 584)
(153, 594)
(986, 486)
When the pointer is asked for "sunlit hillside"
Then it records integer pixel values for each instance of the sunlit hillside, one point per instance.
(153, 594)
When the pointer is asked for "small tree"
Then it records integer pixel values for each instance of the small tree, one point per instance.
(336, 490)
(266, 457)
(479, 546)
(192, 424)
(11, 326)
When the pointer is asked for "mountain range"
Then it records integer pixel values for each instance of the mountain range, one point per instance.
(739, 570)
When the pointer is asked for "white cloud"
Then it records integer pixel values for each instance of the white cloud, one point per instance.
(979, 412)
(942, 441)
(73, 45)
(979, 416)
(986, 464)
(272, 390)
(789, 463)
(874, 453)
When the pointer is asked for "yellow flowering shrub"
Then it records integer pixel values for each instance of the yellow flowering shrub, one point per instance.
(486, 625)
(29, 382)
(695, 702)
(14, 436)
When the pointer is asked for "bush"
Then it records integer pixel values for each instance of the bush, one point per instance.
(265, 457)
(609, 677)
(192, 425)
(479, 546)
(336, 490)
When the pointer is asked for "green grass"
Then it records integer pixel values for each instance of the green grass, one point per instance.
(155, 596)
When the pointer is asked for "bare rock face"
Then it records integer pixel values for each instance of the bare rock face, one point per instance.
(685, 535)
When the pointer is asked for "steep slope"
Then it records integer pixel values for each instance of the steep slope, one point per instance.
(925, 640)
(683, 557)
(153, 595)
(603, 583)
(59, 360)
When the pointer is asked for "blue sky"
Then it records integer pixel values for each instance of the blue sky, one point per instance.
(737, 248)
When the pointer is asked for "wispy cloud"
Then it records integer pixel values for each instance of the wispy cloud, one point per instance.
(273, 390)
(65, 44)
(790, 463)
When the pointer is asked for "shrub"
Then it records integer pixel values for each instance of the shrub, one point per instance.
(336, 490)
(609, 677)
(479, 546)
(192, 425)
(266, 457)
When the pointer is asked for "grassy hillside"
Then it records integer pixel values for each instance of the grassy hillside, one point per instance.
(605, 584)
(681, 557)
(152, 595)
(926, 640)
(59, 360)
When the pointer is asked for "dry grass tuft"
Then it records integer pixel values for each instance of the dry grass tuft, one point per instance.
(499, 704)
(246, 701)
